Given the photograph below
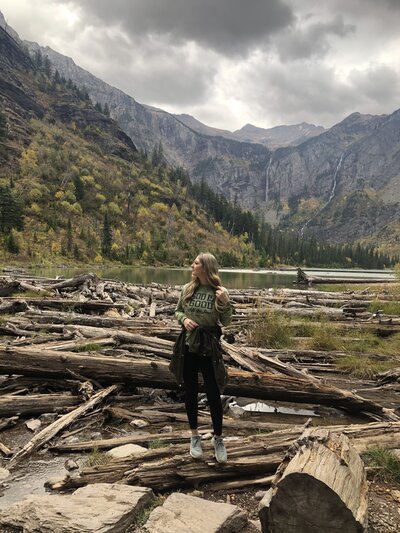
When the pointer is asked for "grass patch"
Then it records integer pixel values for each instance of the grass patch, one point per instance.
(304, 329)
(97, 457)
(157, 443)
(388, 308)
(367, 342)
(363, 366)
(90, 347)
(270, 330)
(326, 337)
(33, 294)
(143, 515)
(387, 462)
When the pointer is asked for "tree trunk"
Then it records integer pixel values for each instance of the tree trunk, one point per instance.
(320, 486)
(35, 404)
(152, 373)
(258, 455)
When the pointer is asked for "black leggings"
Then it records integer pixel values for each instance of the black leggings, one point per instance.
(194, 363)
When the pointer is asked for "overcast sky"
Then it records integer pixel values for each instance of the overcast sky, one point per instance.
(231, 62)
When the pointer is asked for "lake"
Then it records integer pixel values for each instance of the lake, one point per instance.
(231, 278)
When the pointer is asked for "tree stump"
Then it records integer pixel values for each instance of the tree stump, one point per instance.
(320, 486)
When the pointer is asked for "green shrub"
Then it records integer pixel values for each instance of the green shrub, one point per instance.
(362, 366)
(387, 462)
(157, 443)
(97, 457)
(269, 330)
(326, 337)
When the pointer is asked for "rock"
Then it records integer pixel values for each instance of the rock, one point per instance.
(33, 424)
(396, 495)
(138, 423)
(236, 411)
(71, 464)
(4, 473)
(126, 451)
(256, 524)
(98, 508)
(166, 429)
(112, 313)
(181, 513)
(71, 440)
(47, 418)
(259, 495)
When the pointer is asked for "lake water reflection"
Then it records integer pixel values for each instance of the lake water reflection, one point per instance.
(231, 278)
(238, 279)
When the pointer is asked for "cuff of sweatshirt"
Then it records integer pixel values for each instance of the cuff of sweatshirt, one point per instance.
(223, 307)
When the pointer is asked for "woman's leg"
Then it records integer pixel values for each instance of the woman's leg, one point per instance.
(213, 393)
(191, 383)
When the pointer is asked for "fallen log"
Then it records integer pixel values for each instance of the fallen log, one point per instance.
(35, 404)
(5, 450)
(107, 444)
(50, 431)
(148, 373)
(320, 486)
(76, 281)
(305, 279)
(257, 455)
(162, 416)
(8, 422)
(14, 306)
(67, 305)
(8, 286)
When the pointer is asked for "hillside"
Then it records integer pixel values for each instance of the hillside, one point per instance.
(73, 185)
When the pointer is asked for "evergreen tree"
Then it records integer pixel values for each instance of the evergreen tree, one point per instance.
(11, 215)
(69, 237)
(3, 127)
(12, 243)
(106, 240)
(79, 187)
(47, 66)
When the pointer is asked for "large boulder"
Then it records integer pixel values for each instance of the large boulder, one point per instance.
(98, 508)
(181, 513)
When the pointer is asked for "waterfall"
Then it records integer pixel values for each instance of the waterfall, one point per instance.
(332, 194)
(267, 179)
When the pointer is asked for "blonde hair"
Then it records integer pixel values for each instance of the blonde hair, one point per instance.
(210, 265)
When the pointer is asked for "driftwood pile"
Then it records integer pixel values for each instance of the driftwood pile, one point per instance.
(82, 342)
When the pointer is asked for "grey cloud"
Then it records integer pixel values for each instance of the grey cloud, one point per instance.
(378, 83)
(301, 92)
(152, 71)
(312, 40)
(227, 26)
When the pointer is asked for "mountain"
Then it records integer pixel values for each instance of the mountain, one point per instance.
(233, 168)
(74, 187)
(198, 126)
(343, 185)
(272, 138)
(278, 136)
(340, 184)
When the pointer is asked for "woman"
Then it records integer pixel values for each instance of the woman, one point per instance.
(203, 305)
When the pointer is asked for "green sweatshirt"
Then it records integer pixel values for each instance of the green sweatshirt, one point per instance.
(202, 309)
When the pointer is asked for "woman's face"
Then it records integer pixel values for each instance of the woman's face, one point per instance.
(197, 268)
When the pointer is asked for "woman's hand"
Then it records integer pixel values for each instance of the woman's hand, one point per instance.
(190, 324)
(222, 295)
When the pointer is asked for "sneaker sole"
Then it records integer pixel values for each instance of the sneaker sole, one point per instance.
(195, 456)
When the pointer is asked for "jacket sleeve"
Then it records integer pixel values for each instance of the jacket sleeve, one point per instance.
(179, 311)
(224, 312)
